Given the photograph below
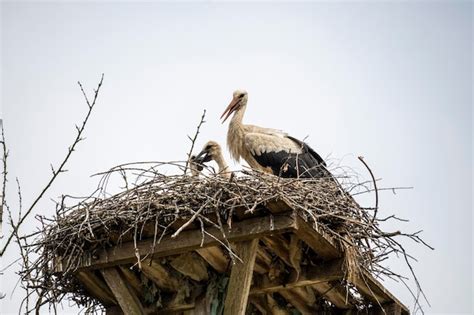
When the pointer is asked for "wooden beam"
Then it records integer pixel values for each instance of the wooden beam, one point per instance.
(283, 249)
(132, 280)
(316, 238)
(241, 278)
(178, 309)
(262, 261)
(264, 256)
(319, 241)
(275, 309)
(260, 304)
(296, 300)
(96, 287)
(215, 257)
(128, 301)
(306, 294)
(278, 206)
(190, 240)
(374, 291)
(310, 275)
(160, 276)
(334, 293)
(280, 246)
(191, 265)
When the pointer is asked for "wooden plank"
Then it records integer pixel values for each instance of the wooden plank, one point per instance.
(283, 249)
(160, 276)
(241, 278)
(334, 293)
(215, 257)
(275, 309)
(96, 287)
(310, 275)
(132, 280)
(374, 291)
(306, 294)
(262, 261)
(264, 256)
(190, 240)
(278, 206)
(260, 304)
(319, 241)
(128, 301)
(280, 246)
(191, 265)
(296, 300)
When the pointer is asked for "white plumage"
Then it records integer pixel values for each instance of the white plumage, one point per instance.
(269, 150)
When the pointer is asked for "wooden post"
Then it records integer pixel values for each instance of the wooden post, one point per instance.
(127, 300)
(241, 278)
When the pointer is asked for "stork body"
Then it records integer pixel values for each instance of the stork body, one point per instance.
(212, 151)
(269, 150)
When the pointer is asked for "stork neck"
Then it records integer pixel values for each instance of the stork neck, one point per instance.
(223, 167)
(235, 134)
(238, 116)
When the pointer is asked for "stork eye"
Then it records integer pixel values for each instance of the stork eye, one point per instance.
(242, 95)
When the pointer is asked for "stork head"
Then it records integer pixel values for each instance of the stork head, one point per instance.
(210, 151)
(239, 100)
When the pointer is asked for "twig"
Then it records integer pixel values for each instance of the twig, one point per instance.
(193, 140)
(4, 175)
(60, 170)
(376, 208)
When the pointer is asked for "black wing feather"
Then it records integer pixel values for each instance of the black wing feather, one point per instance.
(306, 148)
(307, 164)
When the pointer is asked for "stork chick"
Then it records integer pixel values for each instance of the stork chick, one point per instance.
(212, 151)
(269, 150)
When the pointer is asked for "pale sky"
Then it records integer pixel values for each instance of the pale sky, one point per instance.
(389, 81)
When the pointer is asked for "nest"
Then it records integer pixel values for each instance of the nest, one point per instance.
(152, 205)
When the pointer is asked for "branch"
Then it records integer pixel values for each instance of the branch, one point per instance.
(376, 208)
(193, 140)
(59, 170)
(4, 181)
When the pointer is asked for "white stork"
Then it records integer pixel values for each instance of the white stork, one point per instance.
(269, 150)
(212, 151)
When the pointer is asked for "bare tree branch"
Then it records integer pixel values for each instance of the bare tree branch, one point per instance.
(4, 175)
(60, 169)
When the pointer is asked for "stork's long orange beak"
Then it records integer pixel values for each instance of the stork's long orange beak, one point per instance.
(230, 109)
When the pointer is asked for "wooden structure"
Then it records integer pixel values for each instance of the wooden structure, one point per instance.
(271, 243)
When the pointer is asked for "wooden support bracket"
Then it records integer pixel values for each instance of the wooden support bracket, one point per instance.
(128, 301)
(96, 287)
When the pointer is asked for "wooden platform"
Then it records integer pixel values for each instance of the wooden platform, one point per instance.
(273, 275)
